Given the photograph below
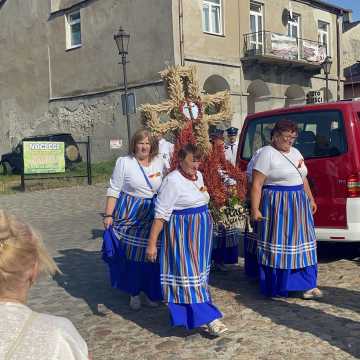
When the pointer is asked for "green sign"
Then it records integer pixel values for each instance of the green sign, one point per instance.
(43, 157)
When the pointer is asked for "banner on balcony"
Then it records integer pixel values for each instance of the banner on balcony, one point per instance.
(314, 52)
(284, 46)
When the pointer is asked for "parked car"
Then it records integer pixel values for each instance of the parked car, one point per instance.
(12, 162)
(329, 139)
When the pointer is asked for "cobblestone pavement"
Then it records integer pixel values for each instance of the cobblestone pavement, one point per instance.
(259, 328)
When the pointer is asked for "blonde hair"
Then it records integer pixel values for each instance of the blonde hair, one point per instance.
(20, 249)
(140, 135)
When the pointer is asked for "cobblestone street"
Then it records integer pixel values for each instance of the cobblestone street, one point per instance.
(259, 328)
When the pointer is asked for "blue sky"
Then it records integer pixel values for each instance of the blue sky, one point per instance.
(348, 4)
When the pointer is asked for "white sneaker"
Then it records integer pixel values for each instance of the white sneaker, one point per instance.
(150, 303)
(313, 294)
(135, 302)
(216, 328)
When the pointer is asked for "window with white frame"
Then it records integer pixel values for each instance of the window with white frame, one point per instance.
(212, 17)
(256, 26)
(323, 35)
(73, 29)
(294, 26)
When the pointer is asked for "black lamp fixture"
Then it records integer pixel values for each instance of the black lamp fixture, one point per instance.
(122, 39)
(326, 65)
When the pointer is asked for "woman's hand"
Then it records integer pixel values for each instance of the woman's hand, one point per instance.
(108, 221)
(256, 215)
(151, 253)
(313, 206)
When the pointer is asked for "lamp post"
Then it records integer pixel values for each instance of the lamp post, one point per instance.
(326, 65)
(122, 39)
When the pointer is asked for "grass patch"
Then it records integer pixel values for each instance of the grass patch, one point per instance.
(101, 172)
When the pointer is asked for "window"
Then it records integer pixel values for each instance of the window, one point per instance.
(323, 35)
(321, 133)
(256, 26)
(212, 17)
(294, 26)
(73, 30)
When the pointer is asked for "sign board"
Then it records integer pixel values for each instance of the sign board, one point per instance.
(315, 97)
(43, 157)
(115, 144)
(131, 103)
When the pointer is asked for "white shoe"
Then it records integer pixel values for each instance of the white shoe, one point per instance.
(216, 328)
(135, 302)
(150, 303)
(313, 294)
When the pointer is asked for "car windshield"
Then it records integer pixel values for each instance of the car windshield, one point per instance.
(321, 133)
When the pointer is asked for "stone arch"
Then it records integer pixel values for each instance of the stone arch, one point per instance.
(215, 83)
(294, 95)
(258, 92)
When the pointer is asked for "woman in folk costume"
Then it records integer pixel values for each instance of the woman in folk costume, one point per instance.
(181, 211)
(129, 213)
(283, 206)
(226, 240)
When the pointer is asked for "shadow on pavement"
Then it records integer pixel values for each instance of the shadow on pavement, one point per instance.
(328, 251)
(341, 298)
(336, 330)
(85, 277)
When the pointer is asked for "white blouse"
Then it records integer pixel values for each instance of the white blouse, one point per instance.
(47, 337)
(277, 167)
(166, 150)
(127, 177)
(178, 193)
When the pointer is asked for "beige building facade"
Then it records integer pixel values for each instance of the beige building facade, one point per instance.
(351, 60)
(267, 53)
(61, 72)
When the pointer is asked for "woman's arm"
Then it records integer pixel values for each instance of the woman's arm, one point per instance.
(109, 208)
(151, 250)
(255, 195)
(310, 195)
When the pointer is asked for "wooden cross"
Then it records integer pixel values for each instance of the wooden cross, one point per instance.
(186, 103)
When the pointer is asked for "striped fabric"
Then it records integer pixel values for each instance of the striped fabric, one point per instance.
(132, 223)
(223, 235)
(185, 256)
(286, 239)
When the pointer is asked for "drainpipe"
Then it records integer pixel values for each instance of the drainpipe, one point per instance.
(339, 17)
(181, 32)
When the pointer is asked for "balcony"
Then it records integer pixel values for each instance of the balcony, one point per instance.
(267, 47)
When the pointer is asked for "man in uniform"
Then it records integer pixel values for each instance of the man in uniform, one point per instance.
(232, 144)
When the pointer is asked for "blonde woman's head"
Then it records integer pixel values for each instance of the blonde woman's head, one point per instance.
(22, 254)
(144, 145)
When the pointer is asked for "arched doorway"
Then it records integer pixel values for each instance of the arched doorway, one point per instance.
(212, 85)
(258, 94)
(294, 95)
(215, 83)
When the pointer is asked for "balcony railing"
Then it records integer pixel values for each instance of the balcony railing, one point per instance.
(279, 46)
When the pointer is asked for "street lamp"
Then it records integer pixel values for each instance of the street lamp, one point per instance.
(326, 65)
(122, 39)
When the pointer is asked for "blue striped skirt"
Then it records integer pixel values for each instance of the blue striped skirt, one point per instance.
(185, 256)
(286, 239)
(185, 266)
(225, 245)
(124, 248)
